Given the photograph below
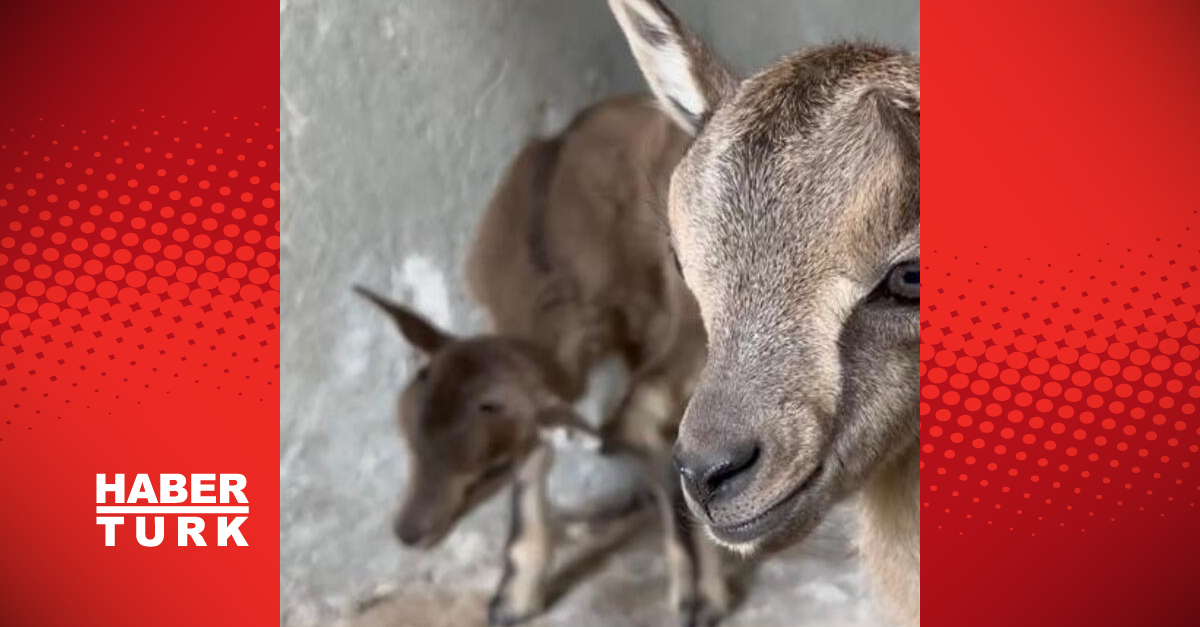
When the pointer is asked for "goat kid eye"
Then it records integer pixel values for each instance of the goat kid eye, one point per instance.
(904, 281)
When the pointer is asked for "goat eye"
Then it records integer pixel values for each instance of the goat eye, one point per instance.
(423, 374)
(490, 408)
(904, 281)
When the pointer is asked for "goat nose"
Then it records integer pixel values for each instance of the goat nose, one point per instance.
(725, 471)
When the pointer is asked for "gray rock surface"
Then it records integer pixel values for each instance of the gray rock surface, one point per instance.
(397, 119)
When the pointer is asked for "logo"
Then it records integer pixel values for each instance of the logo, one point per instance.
(187, 499)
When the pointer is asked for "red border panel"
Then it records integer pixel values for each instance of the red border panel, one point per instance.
(1060, 340)
(139, 302)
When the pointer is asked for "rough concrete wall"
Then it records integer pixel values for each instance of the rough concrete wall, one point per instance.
(398, 117)
(751, 34)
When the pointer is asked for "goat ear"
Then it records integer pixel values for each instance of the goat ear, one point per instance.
(419, 332)
(686, 77)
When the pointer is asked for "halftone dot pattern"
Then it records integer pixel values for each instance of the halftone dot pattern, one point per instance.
(139, 256)
(1057, 398)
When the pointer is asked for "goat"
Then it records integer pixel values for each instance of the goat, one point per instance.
(796, 217)
(573, 268)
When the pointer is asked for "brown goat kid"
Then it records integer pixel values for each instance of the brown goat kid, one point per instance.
(572, 264)
(796, 214)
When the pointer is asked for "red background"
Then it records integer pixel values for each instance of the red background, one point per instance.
(139, 277)
(1059, 330)
(1060, 246)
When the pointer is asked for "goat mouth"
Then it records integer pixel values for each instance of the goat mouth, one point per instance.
(746, 532)
(476, 492)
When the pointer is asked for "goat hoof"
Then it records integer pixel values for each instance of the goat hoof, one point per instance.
(502, 614)
(697, 613)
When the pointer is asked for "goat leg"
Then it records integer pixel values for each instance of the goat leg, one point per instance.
(528, 554)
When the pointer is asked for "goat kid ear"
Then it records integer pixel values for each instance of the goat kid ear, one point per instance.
(689, 81)
(419, 332)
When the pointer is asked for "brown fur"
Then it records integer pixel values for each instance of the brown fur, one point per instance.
(796, 216)
(572, 264)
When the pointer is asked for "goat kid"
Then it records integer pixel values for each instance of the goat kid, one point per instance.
(573, 267)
